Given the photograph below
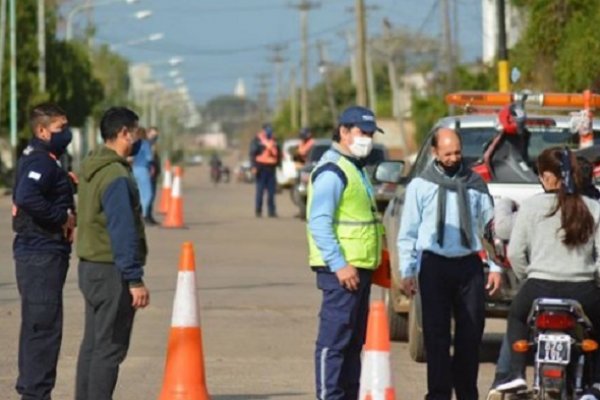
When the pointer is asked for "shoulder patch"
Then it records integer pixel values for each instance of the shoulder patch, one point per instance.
(34, 175)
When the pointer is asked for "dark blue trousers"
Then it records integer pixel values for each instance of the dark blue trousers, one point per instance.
(452, 287)
(265, 181)
(40, 280)
(342, 331)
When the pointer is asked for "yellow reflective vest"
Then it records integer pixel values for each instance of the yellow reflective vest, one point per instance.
(356, 223)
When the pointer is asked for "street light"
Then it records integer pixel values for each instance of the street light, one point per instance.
(150, 38)
(85, 6)
(139, 15)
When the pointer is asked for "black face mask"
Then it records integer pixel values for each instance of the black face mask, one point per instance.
(60, 140)
(449, 170)
(135, 147)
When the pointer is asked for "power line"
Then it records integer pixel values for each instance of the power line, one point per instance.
(171, 47)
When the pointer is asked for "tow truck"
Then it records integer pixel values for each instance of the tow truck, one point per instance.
(500, 142)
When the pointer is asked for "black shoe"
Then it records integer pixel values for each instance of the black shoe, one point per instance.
(150, 221)
(273, 215)
(258, 214)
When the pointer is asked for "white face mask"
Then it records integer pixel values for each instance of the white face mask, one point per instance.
(361, 146)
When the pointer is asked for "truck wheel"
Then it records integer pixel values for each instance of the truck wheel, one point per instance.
(416, 343)
(398, 322)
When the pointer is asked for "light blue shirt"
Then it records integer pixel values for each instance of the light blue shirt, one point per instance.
(327, 189)
(144, 156)
(418, 226)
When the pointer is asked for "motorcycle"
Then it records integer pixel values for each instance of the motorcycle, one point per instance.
(215, 174)
(563, 348)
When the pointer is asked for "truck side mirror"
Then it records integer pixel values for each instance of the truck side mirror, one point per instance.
(389, 172)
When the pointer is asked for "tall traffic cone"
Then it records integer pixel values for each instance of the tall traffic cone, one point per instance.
(184, 369)
(165, 195)
(174, 217)
(376, 377)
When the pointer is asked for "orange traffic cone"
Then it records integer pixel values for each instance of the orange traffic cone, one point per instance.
(376, 377)
(165, 195)
(174, 217)
(184, 369)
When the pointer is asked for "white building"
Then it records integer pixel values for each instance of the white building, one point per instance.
(515, 23)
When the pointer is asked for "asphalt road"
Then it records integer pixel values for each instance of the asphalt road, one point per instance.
(258, 305)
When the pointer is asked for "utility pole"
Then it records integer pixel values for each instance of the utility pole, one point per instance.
(371, 89)
(278, 60)
(455, 31)
(503, 82)
(304, 6)
(324, 70)
(13, 79)
(293, 99)
(361, 54)
(447, 45)
(397, 110)
(352, 51)
(2, 43)
(41, 22)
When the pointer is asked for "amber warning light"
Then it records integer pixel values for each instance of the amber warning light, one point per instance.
(550, 100)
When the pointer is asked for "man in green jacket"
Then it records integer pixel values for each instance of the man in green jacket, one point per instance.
(111, 246)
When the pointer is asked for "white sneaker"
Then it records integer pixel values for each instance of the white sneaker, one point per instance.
(512, 386)
(588, 397)
(494, 394)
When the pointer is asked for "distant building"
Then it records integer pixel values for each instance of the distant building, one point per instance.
(212, 140)
(515, 22)
(240, 89)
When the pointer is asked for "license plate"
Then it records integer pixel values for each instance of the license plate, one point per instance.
(554, 349)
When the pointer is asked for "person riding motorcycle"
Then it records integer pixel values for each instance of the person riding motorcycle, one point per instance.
(552, 248)
(215, 168)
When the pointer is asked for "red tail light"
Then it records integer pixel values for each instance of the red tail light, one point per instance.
(553, 373)
(555, 321)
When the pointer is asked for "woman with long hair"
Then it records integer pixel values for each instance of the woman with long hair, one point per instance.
(552, 248)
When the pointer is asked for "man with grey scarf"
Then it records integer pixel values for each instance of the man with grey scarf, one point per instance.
(446, 210)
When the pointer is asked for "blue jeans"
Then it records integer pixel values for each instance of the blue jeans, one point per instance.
(342, 331)
(142, 177)
(503, 363)
(265, 180)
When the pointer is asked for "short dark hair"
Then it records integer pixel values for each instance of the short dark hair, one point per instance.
(42, 114)
(114, 120)
(336, 137)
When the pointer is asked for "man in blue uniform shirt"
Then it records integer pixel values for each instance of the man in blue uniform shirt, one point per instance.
(43, 220)
(446, 210)
(344, 236)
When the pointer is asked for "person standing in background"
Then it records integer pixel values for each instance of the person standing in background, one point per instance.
(155, 167)
(142, 163)
(265, 155)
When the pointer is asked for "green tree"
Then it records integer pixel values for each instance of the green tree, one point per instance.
(111, 70)
(558, 50)
(70, 82)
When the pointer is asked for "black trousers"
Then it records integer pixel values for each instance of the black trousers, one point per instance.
(452, 287)
(586, 293)
(108, 323)
(40, 280)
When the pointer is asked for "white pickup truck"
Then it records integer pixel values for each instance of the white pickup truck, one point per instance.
(516, 180)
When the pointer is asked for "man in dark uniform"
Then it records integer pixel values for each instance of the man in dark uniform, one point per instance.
(265, 155)
(44, 221)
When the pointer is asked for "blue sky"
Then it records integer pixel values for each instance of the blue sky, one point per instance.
(223, 40)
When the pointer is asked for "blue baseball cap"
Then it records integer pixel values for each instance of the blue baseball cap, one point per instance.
(361, 117)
